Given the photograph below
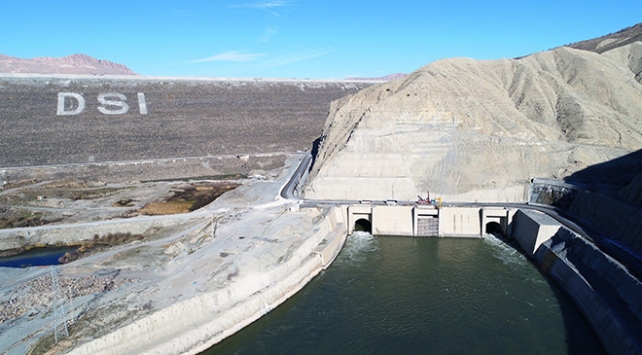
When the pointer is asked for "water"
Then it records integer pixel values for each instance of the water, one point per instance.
(36, 257)
(422, 295)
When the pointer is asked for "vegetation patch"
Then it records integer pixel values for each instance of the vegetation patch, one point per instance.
(17, 251)
(188, 198)
(236, 176)
(167, 207)
(19, 218)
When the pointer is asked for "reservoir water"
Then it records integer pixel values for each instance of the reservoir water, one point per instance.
(36, 257)
(422, 295)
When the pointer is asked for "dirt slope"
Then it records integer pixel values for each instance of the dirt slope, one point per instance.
(479, 130)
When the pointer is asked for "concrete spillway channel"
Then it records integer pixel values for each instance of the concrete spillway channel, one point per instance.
(601, 275)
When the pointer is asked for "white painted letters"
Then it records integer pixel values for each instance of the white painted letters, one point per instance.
(142, 105)
(111, 103)
(102, 98)
(62, 98)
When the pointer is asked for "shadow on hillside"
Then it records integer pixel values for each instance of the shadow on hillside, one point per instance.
(315, 151)
(611, 175)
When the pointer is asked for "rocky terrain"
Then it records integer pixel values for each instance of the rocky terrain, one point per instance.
(472, 130)
(211, 272)
(72, 64)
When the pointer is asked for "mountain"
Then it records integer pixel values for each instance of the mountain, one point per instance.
(611, 41)
(469, 130)
(382, 78)
(73, 64)
(625, 44)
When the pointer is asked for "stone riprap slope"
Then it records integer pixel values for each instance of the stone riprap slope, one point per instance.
(128, 118)
(472, 130)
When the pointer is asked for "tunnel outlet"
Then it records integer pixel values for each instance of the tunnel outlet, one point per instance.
(494, 228)
(363, 225)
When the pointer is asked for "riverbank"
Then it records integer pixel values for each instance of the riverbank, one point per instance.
(188, 287)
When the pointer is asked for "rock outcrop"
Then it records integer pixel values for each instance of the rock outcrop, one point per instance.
(72, 64)
(469, 130)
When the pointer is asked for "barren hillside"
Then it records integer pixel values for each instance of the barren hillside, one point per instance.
(73, 64)
(611, 41)
(479, 130)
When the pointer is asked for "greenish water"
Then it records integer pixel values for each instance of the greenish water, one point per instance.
(422, 295)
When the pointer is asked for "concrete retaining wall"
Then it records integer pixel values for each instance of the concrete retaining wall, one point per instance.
(198, 323)
(392, 220)
(460, 222)
(603, 289)
(335, 231)
(532, 228)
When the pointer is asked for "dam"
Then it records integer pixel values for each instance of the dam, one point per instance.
(198, 261)
(601, 285)
(429, 221)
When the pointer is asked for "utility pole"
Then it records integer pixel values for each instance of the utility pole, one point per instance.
(58, 305)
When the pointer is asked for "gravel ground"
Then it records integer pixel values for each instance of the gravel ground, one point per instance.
(37, 295)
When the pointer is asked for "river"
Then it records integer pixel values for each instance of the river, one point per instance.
(422, 295)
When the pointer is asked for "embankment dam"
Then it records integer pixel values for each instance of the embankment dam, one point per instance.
(122, 129)
(94, 120)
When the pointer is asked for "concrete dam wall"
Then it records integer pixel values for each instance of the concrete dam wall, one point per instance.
(428, 221)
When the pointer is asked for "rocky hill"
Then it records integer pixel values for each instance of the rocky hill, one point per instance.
(611, 41)
(73, 64)
(382, 78)
(472, 130)
(625, 45)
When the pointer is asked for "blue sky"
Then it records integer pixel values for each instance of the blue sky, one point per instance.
(300, 38)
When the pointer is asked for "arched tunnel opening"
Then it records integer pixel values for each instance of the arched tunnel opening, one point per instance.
(494, 228)
(363, 225)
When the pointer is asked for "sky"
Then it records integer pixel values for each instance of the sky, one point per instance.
(316, 39)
